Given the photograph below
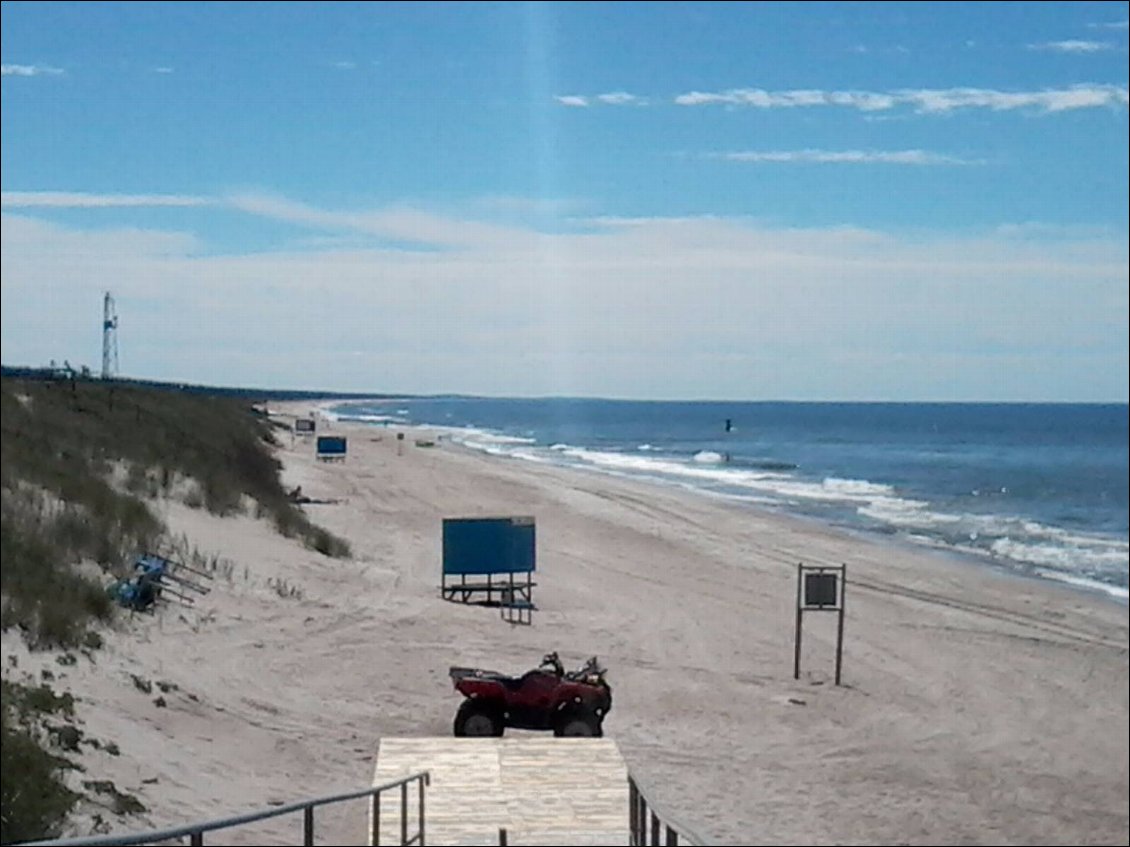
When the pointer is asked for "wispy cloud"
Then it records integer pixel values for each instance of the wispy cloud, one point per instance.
(620, 98)
(1048, 100)
(535, 206)
(345, 65)
(1073, 46)
(866, 101)
(163, 70)
(850, 157)
(396, 224)
(1110, 25)
(925, 100)
(29, 70)
(79, 200)
(610, 98)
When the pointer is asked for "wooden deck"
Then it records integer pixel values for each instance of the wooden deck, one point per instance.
(541, 789)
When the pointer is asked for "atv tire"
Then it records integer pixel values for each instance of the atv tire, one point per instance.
(578, 724)
(478, 720)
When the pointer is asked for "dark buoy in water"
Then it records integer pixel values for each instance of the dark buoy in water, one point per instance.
(729, 424)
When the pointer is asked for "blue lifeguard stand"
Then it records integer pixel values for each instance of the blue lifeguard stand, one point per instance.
(331, 448)
(504, 550)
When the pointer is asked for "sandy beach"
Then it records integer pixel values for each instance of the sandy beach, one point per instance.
(977, 707)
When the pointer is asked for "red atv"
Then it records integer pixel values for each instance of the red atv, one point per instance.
(572, 703)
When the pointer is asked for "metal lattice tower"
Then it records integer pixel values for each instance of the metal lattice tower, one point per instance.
(109, 338)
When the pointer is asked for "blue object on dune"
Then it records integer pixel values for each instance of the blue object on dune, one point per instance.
(152, 565)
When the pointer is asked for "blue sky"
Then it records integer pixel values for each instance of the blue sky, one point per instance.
(810, 201)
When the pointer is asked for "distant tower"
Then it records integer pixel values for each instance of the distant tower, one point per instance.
(109, 338)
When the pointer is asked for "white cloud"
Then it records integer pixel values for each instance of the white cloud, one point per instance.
(889, 157)
(659, 308)
(1073, 46)
(345, 65)
(163, 70)
(1048, 100)
(610, 98)
(79, 200)
(535, 206)
(394, 223)
(620, 98)
(1110, 25)
(926, 100)
(29, 70)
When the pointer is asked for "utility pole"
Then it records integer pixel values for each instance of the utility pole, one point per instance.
(109, 338)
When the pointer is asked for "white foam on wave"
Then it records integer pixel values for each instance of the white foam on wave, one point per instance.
(901, 512)
(656, 467)
(1087, 558)
(857, 487)
(708, 457)
(366, 418)
(1006, 537)
(830, 490)
(473, 436)
(1117, 591)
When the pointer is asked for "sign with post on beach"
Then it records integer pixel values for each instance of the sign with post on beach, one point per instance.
(820, 589)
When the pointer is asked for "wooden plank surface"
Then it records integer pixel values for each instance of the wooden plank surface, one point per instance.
(541, 789)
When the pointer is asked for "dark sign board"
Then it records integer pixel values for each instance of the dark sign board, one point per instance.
(331, 445)
(488, 545)
(304, 425)
(820, 590)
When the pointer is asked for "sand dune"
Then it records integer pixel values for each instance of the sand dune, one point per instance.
(978, 708)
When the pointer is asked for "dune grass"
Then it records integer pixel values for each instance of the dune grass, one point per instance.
(77, 459)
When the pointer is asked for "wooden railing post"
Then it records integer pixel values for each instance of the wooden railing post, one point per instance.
(633, 793)
(377, 819)
(308, 826)
(648, 826)
(404, 813)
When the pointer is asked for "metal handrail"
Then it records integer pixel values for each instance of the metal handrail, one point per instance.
(645, 819)
(195, 832)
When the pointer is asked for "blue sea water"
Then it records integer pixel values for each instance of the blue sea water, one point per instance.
(1040, 489)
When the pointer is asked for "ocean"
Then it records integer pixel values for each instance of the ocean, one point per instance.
(1038, 489)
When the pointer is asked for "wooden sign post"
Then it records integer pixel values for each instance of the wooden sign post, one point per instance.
(820, 589)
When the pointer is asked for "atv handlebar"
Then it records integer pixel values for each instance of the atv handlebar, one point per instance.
(551, 661)
(590, 672)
